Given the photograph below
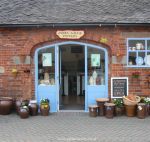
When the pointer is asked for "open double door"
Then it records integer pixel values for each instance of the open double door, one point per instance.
(48, 73)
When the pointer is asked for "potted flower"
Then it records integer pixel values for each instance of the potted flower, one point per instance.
(44, 107)
(119, 107)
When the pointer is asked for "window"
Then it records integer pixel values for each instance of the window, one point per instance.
(138, 52)
(46, 66)
(96, 66)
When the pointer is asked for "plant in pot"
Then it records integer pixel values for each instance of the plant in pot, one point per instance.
(119, 106)
(44, 107)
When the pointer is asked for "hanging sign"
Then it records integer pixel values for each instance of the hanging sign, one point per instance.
(47, 59)
(70, 34)
(95, 60)
(119, 87)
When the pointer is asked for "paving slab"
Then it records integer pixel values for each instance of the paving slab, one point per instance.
(73, 127)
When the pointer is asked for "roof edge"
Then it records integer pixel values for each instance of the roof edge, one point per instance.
(71, 25)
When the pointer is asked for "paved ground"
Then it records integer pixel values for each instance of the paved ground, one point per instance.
(73, 127)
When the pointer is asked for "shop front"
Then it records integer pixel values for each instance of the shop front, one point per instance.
(74, 66)
(71, 69)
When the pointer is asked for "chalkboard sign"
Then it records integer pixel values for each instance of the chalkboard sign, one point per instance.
(119, 87)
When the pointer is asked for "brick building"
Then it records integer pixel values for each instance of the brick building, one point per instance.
(72, 49)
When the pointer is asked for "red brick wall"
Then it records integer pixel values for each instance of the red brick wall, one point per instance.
(24, 41)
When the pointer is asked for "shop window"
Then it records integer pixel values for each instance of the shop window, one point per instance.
(96, 66)
(138, 51)
(46, 66)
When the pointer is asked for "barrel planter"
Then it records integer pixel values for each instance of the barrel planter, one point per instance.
(6, 104)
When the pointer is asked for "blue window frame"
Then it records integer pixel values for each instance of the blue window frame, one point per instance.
(138, 52)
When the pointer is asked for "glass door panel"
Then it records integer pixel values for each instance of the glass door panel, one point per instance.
(46, 76)
(96, 74)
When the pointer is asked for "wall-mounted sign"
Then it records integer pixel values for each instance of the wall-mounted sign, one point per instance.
(95, 60)
(2, 70)
(70, 34)
(119, 87)
(47, 59)
(103, 40)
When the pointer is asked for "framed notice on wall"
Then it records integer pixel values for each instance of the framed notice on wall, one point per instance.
(95, 60)
(119, 87)
(47, 59)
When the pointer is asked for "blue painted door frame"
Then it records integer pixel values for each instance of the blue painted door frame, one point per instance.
(52, 91)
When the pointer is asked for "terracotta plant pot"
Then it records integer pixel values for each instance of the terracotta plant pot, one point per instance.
(6, 104)
(24, 113)
(130, 110)
(44, 110)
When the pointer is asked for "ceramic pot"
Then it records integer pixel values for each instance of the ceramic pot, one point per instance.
(147, 109)
(100, 104)
(44, 110)
(141, 111)
(24, 113)
(130, 110)
(119, 111)
(18, 105)
(33, 108)
(93, 110)
(25, 102)
(6, 104)
(138, 46)
(109, 110)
